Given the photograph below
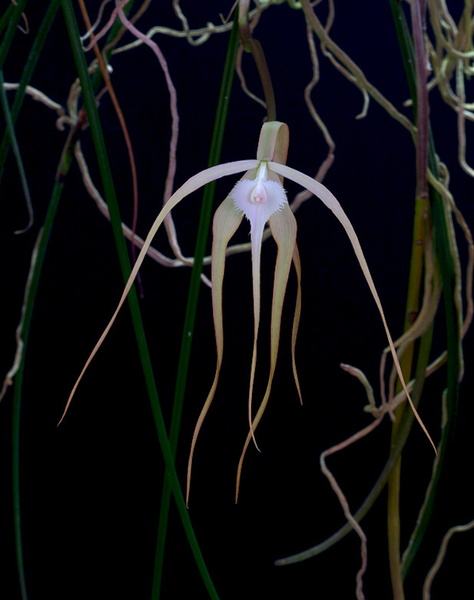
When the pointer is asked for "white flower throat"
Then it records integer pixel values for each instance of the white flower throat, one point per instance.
(259, 198)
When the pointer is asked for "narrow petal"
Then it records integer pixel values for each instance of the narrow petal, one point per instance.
(225, 224)
(283, 227)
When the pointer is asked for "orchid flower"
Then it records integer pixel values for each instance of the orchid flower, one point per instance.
(260, 196)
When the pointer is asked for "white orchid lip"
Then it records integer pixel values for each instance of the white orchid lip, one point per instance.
(260, 195)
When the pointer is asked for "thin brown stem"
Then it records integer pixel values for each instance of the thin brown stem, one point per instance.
(120, 116)
(252, 45)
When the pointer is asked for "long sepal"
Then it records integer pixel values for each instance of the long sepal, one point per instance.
(190, 186)
(319, 190)
(225, 224)
(296, 319)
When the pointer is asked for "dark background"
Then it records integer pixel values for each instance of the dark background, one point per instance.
(91, 488)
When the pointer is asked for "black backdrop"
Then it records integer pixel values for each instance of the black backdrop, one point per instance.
(91, 488)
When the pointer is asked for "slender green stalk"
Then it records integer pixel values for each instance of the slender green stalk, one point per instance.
(193, 296)
(412, 307)
(27, 73)
(30, 295)
(445, 250)
(404, 419)
(393, 529)
(10, 129)
(14, 18)
(6, 17)
(109, 192)
(23, 333)
(36, 263)
(415, 279)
